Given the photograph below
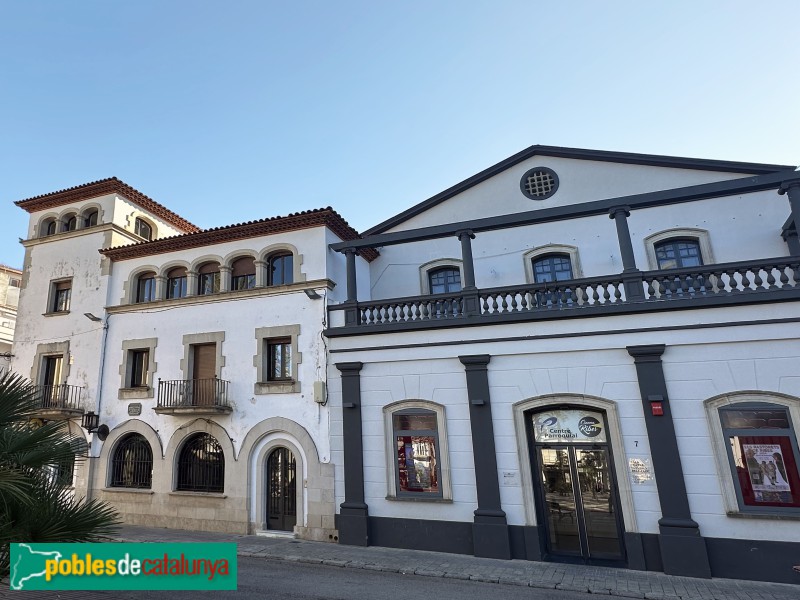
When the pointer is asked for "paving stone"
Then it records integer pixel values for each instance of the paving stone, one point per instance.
(571, 587)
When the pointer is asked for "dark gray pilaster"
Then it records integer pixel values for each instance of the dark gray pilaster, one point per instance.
(490, 529)
(683, 549)
(351, 316)
(465, 237)
(792, 240)
(469, 293)
(631, 276)
(353, 520)
(792, 190)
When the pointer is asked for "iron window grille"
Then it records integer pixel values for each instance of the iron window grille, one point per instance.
(201, 465)
(132, 463)
(539, 183)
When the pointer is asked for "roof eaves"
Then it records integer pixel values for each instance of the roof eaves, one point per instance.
(575, 153)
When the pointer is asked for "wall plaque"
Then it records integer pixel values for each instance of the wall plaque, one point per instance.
(134, 409)
(640, 470)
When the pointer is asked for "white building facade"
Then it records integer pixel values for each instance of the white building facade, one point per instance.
(578, 356)
(201, 352)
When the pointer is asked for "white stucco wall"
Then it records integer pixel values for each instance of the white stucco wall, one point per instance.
(579, 181)
(698, 364)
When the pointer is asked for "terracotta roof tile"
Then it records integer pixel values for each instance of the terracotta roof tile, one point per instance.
(112, 185)
(295, 221)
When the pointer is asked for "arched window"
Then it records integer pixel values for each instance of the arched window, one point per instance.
(176, 283)
(678, 254)
(243, 274)
(90, 218)
(144, 229)
(48, 227)
(280, 269)
(132, 463)
(552, 267)
(208, 279)
(201, 465)
(444, 280)
(146, 287)
(71, 222)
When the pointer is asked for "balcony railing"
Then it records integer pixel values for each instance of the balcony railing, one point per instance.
(60, 399)
(730, 283)
(194, 396)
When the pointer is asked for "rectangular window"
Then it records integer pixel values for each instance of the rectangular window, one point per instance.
(416, 441)
(61, 294)
(763, 455)
(14, 283)
(279, 359)
(176, 287)
(139, 364)
(145, 289)
(208, 283)
(243, 282)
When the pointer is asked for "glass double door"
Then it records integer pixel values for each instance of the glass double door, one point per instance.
(578, 502)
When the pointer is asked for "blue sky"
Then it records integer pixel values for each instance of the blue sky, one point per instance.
(232, 111)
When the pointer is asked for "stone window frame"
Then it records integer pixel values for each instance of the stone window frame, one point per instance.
(51, 296)
(196, 339)
(51, 349)
(730, 497)
(263, 335)
(541, 251)
(274, 250)
(701, 236)
(444, 452)
(125, 367)
(440, 263)
(131, 284)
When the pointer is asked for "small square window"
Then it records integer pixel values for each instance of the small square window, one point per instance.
(61, 294)
(279, 359)
(14, 283)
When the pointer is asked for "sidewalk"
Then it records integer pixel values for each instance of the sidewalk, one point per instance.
(597, 580)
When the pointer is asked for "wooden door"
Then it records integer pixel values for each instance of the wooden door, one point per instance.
(204, 374)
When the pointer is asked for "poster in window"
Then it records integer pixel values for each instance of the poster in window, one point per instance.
(767, 471)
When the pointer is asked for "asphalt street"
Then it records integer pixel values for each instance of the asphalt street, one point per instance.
(267, 579)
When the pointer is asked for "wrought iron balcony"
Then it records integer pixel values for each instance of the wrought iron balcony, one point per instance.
(193, 396)
(768, 280)
(58, 402)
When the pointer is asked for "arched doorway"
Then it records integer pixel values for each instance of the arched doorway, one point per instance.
(576, 492)
(281, 492)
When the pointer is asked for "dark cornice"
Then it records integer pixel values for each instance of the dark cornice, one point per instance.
(326, 217)
(103, 187)
(676, 162)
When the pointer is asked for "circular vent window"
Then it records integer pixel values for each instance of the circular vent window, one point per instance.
(539, 183)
